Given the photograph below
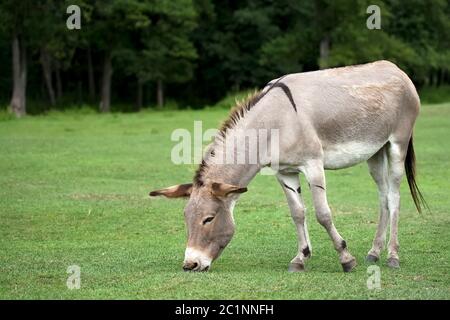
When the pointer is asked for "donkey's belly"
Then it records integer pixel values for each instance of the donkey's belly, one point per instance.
(348, 154)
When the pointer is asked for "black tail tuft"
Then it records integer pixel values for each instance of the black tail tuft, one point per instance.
(410, 169)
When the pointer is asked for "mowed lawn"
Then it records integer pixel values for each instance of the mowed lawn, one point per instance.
(74, 191)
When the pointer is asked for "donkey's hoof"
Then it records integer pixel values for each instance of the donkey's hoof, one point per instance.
(296, 267)
(393, 263)
(348, 266)
(371, 258)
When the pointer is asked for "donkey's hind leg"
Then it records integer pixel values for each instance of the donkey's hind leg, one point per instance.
(378, 167)
(396, 154)
(291, 187)
(387, 169)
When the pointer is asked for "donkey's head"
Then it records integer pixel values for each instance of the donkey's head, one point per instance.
(209, 220)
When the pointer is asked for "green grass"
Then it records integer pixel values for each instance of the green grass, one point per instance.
(74, 191)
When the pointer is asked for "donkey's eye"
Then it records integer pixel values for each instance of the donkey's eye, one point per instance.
(207, 220)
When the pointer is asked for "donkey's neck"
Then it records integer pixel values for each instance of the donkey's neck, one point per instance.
(239, 175)
(238, 163)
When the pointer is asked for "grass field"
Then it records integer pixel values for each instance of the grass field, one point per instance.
(74, 191)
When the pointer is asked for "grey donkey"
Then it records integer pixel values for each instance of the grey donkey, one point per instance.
(327, 119)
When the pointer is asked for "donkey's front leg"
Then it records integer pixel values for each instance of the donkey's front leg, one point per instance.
(315, 175)
(291, 188)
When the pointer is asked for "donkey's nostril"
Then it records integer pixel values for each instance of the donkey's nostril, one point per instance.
(190, 266)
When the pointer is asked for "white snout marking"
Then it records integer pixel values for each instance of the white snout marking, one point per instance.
(195, 255)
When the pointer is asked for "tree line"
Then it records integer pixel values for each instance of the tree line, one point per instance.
(194, 52)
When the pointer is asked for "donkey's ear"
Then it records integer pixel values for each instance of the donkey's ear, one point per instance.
(178, 191)
(223, 189)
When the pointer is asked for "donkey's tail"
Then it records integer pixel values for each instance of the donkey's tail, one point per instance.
(410, 169)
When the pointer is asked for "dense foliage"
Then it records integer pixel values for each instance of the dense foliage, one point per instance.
(194, 52)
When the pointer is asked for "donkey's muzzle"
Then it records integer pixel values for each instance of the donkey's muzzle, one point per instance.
(190, 266)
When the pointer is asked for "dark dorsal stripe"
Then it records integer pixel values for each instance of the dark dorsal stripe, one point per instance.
(284, 87)
(288, 187)
(262, 95)
(287, 91)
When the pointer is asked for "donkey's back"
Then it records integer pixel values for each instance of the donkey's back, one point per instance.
(352, 112)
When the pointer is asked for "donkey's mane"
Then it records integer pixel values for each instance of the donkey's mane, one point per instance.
(237, 113)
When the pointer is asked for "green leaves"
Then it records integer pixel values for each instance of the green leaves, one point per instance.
(204, 49)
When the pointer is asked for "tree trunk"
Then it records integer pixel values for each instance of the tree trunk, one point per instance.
(440, 77)
(18, 99)
(47, 70)
(91, 81)
(80, 92)
(431, 78)
(58, 80)
(23, 75)
(139, 98)
(160, 93)
(324, 52)
(105, 103)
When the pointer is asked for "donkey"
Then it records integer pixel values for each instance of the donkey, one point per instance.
(327, 119)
